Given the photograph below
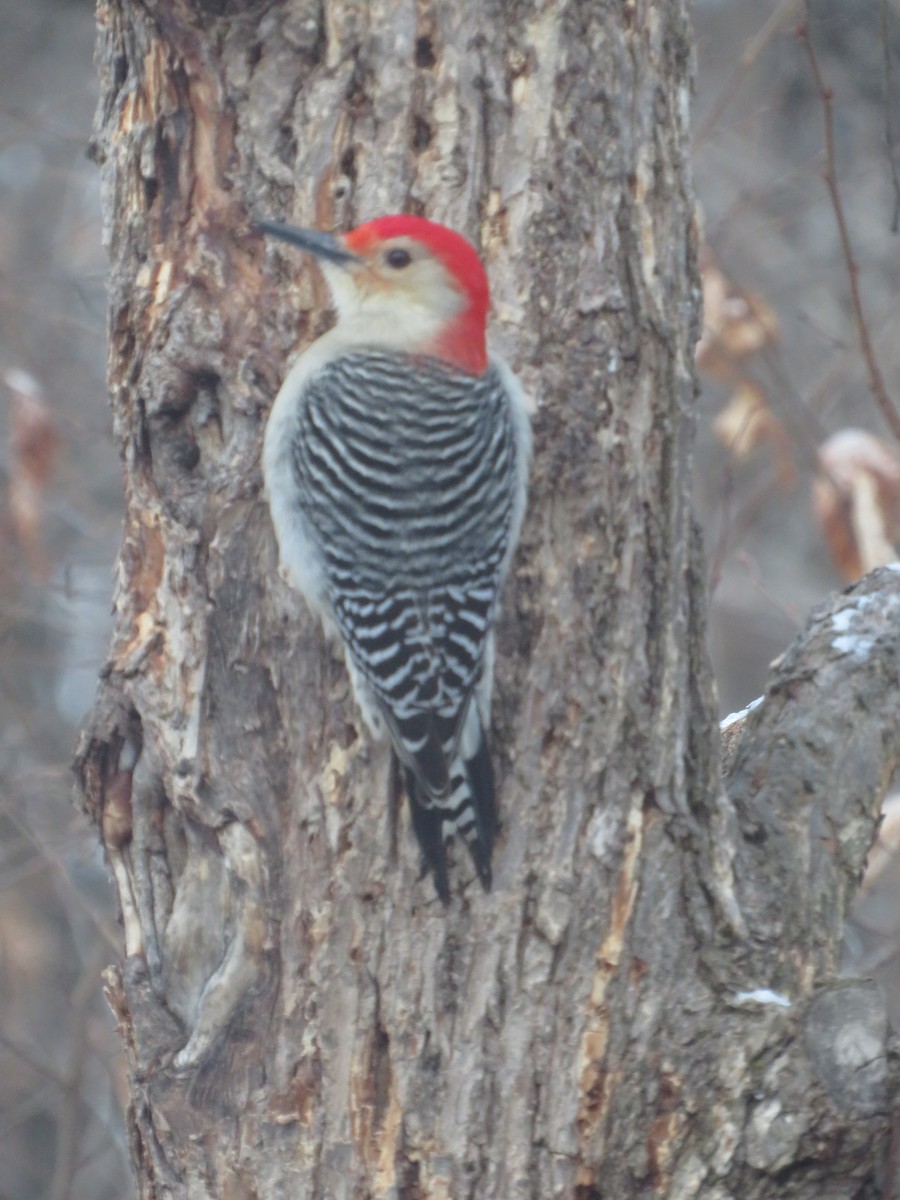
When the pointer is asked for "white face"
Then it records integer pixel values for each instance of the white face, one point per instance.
(399, 294)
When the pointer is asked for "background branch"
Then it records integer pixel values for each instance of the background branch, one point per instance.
(876, 380)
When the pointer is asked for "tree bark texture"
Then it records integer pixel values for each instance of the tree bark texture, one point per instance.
(302, 1017)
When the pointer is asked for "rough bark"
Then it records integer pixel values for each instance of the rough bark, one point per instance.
(301, 1015)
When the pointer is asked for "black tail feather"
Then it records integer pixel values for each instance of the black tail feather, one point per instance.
(480, 773)
(469, 809)
(427, 823)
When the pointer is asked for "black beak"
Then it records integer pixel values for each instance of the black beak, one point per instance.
(322, 245)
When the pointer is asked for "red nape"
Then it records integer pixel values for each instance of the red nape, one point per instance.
(463, 341)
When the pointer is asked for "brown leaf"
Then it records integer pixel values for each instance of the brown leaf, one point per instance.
(33, 446)
(885, 851)
(856, 501)
(747, 422)
(737, 323)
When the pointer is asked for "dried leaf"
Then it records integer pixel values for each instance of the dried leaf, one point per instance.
(856, 501)
(886, 848)
(747, 422)
(33, 446)
(737, 323)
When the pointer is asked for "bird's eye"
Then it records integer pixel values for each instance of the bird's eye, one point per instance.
(398, 258)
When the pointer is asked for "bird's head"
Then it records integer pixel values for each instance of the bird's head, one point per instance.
(403, 283)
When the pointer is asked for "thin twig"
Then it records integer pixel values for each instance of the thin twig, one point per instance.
(888, 123)
(753, 49)
(876, 380)
(54, 860)
(70, 1117)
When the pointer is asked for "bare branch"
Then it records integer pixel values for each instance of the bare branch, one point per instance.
(876, 380)
(785, 12)
(815, 798)
(888, 121)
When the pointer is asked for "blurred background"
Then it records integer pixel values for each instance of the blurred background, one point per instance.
(797, 482)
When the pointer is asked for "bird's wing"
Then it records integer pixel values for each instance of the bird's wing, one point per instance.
(404, 473)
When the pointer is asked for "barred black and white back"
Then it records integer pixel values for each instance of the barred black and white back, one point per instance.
(397, 486)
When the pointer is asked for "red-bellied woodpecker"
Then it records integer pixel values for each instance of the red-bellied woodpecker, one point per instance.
(396, 460)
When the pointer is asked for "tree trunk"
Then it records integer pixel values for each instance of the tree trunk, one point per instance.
(302, 1017)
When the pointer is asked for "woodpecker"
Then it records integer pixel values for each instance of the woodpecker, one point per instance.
(396, 459)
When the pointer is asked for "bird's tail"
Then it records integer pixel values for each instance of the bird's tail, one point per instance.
(467, 808)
